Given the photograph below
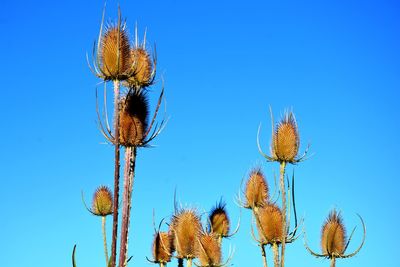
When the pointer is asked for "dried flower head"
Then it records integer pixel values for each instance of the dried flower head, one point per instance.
(219, 220)
(186, 228)
(142, 67)
(333, 235)
(114, 53)
(285, 140)
(256, 190)
(162, 247)
(102, 202)
(133, 119)
(209, 250)
(270, 224)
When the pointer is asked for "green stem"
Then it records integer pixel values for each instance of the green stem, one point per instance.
(116, 174)
(276, 254)
(283, 191)
(263, 255)
(103, 228)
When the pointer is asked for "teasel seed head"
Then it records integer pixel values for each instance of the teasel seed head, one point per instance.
(102, 202)
(162, 247)
(256, 190)
(142, 68)
(186, 228)
(114, 53)
(270, 224)
(333, 235)
(285, 140)
(219, 220)
(134, 113)
(209, 250)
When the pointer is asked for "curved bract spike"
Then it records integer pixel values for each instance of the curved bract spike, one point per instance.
(310, 250)
(362, 242)
(237, 227)
(84, 203)
(268, 158)
(73, 256)
(151, 261)
(252, 231)
(348, 241)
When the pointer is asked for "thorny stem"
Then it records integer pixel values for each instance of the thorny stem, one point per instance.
(129, 172)
(283, 191)
(276, 254)
(333, 262)
(103, 228)
(263, 255)
(116, 174)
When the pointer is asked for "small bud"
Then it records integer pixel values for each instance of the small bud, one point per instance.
(102, 202)
(142, 68)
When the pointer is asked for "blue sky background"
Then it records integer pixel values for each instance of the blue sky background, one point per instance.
(335, 63)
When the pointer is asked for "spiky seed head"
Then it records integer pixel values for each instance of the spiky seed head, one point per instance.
(209, 250)
(102, 201)
(256, 190)
(186, 228)
(115, 53)
(333, 235)
(134, 112)
(142, 67)
(285, 140)
(270, 224)
(162, 247)
(219, 220)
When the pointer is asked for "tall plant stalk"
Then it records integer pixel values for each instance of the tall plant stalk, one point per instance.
(333, 262)
(264, 257)
(103, 228)
(116, 173)
(129, 173)
(283, 191)
(276, 254)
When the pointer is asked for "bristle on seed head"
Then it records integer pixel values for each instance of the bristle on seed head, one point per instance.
(219, 220)
(285, 140)
(256, 191)
(333, 235)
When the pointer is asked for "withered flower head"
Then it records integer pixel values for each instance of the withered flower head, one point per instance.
(102, 202)
(186, 228)
(114, 53)
(333, 235)
(142, 68)
(162, 247)
(209, 250)
(134, 113)
(270, 224)
(256, 190)
(285, 140)
(219, 220)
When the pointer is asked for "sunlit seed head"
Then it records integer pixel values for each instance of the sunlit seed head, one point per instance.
(285, 140)
(114, 53)
(209, 250)
(333, 235)
(256, 191)
(142, 67)
(219, 220)
(270, 224)
(162, 247)
(186, 228)
(133, 119)
(102, 202)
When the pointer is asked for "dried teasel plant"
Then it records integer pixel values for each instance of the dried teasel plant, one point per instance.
(285, 143)
(162, 246)
(209, 250)
(334, 242)
(219, 222)
(256, 191)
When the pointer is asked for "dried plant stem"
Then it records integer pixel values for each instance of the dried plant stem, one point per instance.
(129, 173)
(116, 174)
(189, 262)
(162, 264)
(180, 262)
(276, 254)
(333, 262)
(263, 255)
(103, 228)
(283, 191)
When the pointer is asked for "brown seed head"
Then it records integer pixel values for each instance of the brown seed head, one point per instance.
(270, 224)
(186, 227)
(256, 190)
(209, 250)
(115, 53)
(286, 141)
(219, 220)
(133, 119)
(142, 67)
(162, 247)
(333, 235)
(102, 202)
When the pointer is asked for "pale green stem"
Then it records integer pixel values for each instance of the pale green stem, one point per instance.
(283, 191)
(333, 262)
(276, 254)
(263, 255)
(103, 228)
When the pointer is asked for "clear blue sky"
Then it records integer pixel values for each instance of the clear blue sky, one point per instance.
(335, 63)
